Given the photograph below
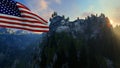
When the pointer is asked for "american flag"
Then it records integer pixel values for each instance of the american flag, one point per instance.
(15, 15)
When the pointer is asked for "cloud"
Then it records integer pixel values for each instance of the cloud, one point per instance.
(37, 5)
(54, 1)
(58, 1)
(46, 14)
(42, 7)
(85, 14)
(43, 4)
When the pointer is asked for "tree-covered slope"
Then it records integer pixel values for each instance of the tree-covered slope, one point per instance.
(17, 49)
(83, 43)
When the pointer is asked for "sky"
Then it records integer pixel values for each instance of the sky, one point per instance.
(75, 8)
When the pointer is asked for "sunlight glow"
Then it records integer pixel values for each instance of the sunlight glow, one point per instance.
(111, 21)
(113, 24)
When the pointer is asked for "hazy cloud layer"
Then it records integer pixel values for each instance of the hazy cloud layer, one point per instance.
(76, 8)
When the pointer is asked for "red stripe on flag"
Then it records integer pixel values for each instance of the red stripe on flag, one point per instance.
(24, 28)
(22, 6)
(22, 11)
(20, 24)
(22, 20)
(25, 16)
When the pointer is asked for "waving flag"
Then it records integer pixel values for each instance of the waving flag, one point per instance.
(16, 15)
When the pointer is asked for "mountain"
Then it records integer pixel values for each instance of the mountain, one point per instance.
(17, 48)
(83, 43)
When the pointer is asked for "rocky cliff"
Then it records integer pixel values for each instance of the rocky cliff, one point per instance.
(83, 43)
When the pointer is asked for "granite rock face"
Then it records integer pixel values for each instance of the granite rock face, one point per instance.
(83, 43)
